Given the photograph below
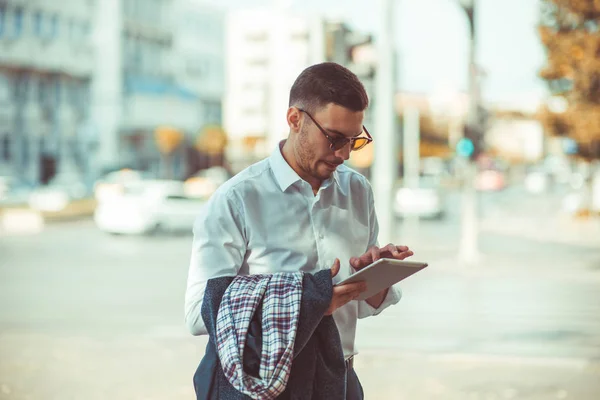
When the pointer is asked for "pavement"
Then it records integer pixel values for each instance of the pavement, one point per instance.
(89, 315)
(19, 217)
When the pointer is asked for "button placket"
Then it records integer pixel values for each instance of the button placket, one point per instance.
(319, 234)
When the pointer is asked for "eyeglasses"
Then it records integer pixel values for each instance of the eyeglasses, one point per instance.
(336, 143)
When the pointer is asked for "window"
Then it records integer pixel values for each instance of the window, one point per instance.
(85, 29)
(18, 28)
(37, 24)
(126, 4)
(53, 27)
(257, 37)
(44, 92)
(301, 37)
(212, 112)
(2, 18)
(6, 153)
(198, 68)
(257, 62)
(72, 29)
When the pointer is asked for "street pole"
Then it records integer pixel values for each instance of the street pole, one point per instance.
(411, 138)
(468, 252)
(385, 163)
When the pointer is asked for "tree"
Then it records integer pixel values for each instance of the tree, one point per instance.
(570, 32)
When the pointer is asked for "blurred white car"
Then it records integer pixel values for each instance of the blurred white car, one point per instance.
(147, 206)
(111, 184)
(425, 201)
(56, 195)
(204, 183)
(537, 182)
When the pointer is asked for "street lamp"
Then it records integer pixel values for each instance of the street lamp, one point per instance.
(468, 7)
(468, 252)
(385, 147)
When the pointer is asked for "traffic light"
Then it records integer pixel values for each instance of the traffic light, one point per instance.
(471, 145)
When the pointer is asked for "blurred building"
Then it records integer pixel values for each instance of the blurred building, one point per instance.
(46, 65)
(159, 69)
(266, 51)
(516, 138)
(357, 52)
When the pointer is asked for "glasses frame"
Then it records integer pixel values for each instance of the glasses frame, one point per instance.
(339, 143)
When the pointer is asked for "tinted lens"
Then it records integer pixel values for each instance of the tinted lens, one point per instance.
(337, 144)
(359, 143)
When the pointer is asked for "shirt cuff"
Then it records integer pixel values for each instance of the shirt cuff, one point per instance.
(393, 296)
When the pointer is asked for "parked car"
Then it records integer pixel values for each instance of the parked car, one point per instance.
(537, 182)
(425, 201)
(204, 183)
(147, 206)
(490, 180)
(56, 195)
(112, 183)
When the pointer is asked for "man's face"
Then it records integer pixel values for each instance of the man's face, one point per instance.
(313, 151)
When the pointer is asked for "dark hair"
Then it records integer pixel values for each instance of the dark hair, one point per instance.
(326, 83)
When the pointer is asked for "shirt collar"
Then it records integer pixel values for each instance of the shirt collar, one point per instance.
(286, 176)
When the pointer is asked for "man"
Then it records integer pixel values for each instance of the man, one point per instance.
(301, 209)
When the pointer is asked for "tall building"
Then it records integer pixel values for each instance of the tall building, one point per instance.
(46, 65)
(198, 47)
(159, 68)
(356, 51)
(267, 50)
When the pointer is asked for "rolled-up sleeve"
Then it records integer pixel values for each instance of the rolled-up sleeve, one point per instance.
(394, 293)
(393, 296)
(218, 249)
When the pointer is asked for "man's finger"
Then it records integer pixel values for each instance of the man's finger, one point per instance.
(375, 253)
(335, 268)
(391, 248)
(406, 254)
(342, 290)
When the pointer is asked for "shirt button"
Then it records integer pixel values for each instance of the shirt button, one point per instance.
(321, 236)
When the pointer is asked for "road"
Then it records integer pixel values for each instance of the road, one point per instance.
(94, 316)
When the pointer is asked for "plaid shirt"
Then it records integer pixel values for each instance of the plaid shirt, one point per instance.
(280, 294)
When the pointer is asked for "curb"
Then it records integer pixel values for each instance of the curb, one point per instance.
(76, 209)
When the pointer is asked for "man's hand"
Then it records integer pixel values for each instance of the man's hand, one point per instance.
(344, 293)
(375, 253)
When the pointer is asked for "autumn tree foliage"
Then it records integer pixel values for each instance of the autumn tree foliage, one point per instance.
(570, 32)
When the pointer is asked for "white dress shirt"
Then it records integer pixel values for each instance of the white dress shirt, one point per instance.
(267, 219)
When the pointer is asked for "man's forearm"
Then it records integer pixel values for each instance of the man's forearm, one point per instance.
(376, 300)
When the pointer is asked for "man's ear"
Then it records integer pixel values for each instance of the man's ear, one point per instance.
(294, 119)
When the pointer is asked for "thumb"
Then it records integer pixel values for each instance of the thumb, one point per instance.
(335, 268)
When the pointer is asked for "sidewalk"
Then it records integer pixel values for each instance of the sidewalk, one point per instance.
(480, 378)
(23, 219)
(557, 228)
(541, 218)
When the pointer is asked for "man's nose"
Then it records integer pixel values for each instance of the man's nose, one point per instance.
(344, 152)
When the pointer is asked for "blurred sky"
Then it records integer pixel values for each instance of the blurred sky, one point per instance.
(431, 36)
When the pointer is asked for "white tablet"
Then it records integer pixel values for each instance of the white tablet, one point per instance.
(382, 274)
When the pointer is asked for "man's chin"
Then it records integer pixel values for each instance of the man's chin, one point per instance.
(325, 174)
